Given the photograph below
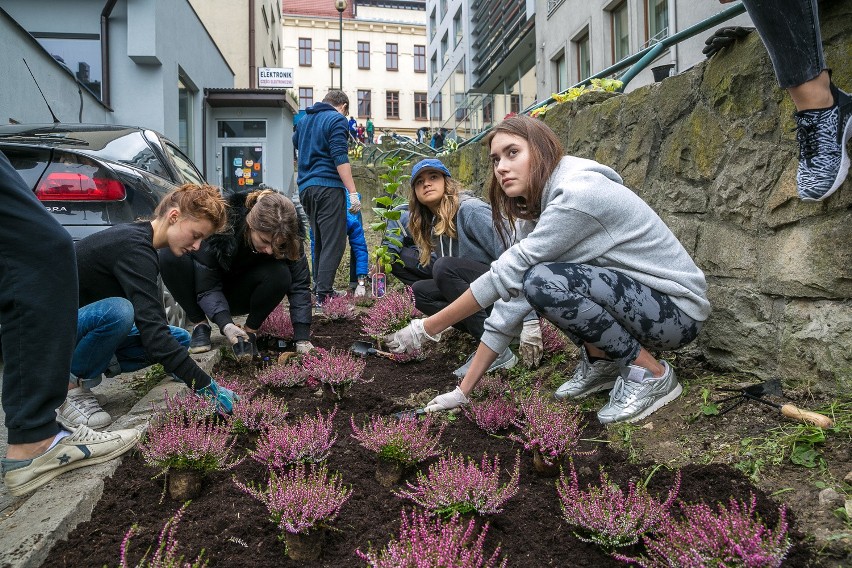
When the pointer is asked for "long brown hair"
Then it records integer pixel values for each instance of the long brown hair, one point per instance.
(422, 223)
(273, 214)
(545, 153)
(197, 202)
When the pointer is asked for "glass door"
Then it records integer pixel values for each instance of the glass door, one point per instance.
(242, 165)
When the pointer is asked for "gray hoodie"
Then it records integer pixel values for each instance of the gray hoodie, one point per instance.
(589, 217)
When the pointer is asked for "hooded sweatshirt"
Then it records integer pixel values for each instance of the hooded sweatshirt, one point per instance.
(589, 217)
(321, 138)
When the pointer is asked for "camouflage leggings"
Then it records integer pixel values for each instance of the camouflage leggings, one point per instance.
(607, 309)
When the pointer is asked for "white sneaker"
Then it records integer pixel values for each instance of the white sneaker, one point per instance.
(589, 377)
(81, 408)
(506, 360)
(637, 394)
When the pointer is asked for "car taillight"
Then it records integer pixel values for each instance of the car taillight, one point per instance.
(74, 186)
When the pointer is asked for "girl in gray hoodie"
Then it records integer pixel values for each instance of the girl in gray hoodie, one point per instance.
(591, 257)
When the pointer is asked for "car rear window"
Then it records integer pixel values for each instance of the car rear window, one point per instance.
(129, 148)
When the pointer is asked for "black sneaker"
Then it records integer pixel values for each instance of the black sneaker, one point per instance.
(200, 341)
(822, 135)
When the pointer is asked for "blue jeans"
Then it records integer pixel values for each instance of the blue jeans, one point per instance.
(105, 329)
(790, 31)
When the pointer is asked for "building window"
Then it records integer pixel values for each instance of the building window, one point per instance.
(515, 103)
(420, 107)
(445, 50)
(437, 110)
(363, 55)
(620, 33)
(265, 19)
(584, 62)
(458, 29)
(487, 112)
(184, 117)
(419, 58)
(443, 8)
(305, 53)
(392, 100)
(274, 54)
(80, 53)
(334, 52)
(432, 25)
(560, 73)
(392, 56)
(658, 20)
(365, 104)
(306, 97)
(433, 72)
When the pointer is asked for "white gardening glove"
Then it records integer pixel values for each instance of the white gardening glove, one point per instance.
(233, 333)
(447, 401)
(303, 347)
(360, 289)
(354, 202)
(532, 345)
(410, 338)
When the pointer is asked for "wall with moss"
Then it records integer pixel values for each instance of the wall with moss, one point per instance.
(712, 151)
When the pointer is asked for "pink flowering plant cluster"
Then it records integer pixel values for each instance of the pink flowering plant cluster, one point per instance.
(339, 308)
(277, 324)
(307, 441)
(187, 407)
(550, 428)
(456, 484)
(390, 313)
(336, 370)
(166, 555)
(425, 542)
(553, 340)
(407, 440)
(304, 498)
(492, 414)
(731, 536)
(251, 415)
(175, 443)
(491, 385)
(610, 516)
(289, 374)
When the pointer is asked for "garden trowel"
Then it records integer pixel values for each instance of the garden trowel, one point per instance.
(364, 348)
(773, 388)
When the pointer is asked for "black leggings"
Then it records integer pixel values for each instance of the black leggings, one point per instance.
(451, 277)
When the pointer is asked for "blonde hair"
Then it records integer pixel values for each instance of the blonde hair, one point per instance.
(273, 214)
(197, 202)
(423, 224)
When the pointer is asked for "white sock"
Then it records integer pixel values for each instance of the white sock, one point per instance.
(58, 438)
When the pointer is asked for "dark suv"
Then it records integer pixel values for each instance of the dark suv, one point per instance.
(91, 177)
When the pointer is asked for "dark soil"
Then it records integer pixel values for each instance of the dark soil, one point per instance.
(234, 529)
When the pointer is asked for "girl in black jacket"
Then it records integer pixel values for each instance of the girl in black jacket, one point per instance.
(247, 269)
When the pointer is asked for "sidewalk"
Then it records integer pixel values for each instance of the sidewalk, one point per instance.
(31, 525)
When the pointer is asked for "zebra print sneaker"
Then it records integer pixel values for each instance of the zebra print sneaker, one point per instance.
(822, 135)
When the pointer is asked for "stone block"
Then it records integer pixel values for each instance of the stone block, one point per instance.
(725, 250)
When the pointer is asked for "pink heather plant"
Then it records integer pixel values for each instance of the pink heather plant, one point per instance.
(309, 440)
(455, 484)
(302, 499)
(255, 414)
(277, 324)
(733, 536)
(245, 388)
(337, 308)
(492, 414)
(607, 516)
(491, 385)
(166, 554)
(553, 339)
(405, 440)
(287, 375)
(551, 428)
(335, 369)
(174, 443)
(188, 407)
(390, 313)
(425, 542)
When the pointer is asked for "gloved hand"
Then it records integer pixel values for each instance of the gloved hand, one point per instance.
(233, 333)
(222, 397)
(354, 202)
(447, 401)
(303, 347)
(532, 344)
(724, 37)
(410, 338)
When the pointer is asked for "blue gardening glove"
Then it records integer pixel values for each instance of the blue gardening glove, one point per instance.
(224, 398)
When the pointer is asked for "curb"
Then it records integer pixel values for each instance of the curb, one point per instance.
(35, 523)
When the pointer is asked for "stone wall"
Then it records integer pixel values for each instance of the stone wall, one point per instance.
(711, 150)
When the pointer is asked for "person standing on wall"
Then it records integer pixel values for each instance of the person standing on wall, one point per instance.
(324, 175)
(370, 131)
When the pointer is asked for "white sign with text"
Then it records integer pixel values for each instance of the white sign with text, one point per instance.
(275, 78)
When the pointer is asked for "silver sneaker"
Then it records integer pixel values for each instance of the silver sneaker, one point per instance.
(589, 377)
(637, 394)
(506, 360)
(81, 408)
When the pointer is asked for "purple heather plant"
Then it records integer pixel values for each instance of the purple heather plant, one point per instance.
(405, 440)
(336, 308)
(303, 498)
(607, 516)
(490, 386)
(277, 324)
(456, 484)
(733, 536)
(175, 443)
(550, 428)
(166, 554)
(255, 414)
(188, 407)
(553, 340)
(424, 542)
(335, 369)
(492, 414)
(390, 313)
(289, 374)
(309, 440)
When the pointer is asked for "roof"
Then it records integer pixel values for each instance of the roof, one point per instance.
(250, 98)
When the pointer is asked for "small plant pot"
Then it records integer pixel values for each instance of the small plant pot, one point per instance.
(304, 546)
(389, 472)
(542, 468)
(184, 484)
